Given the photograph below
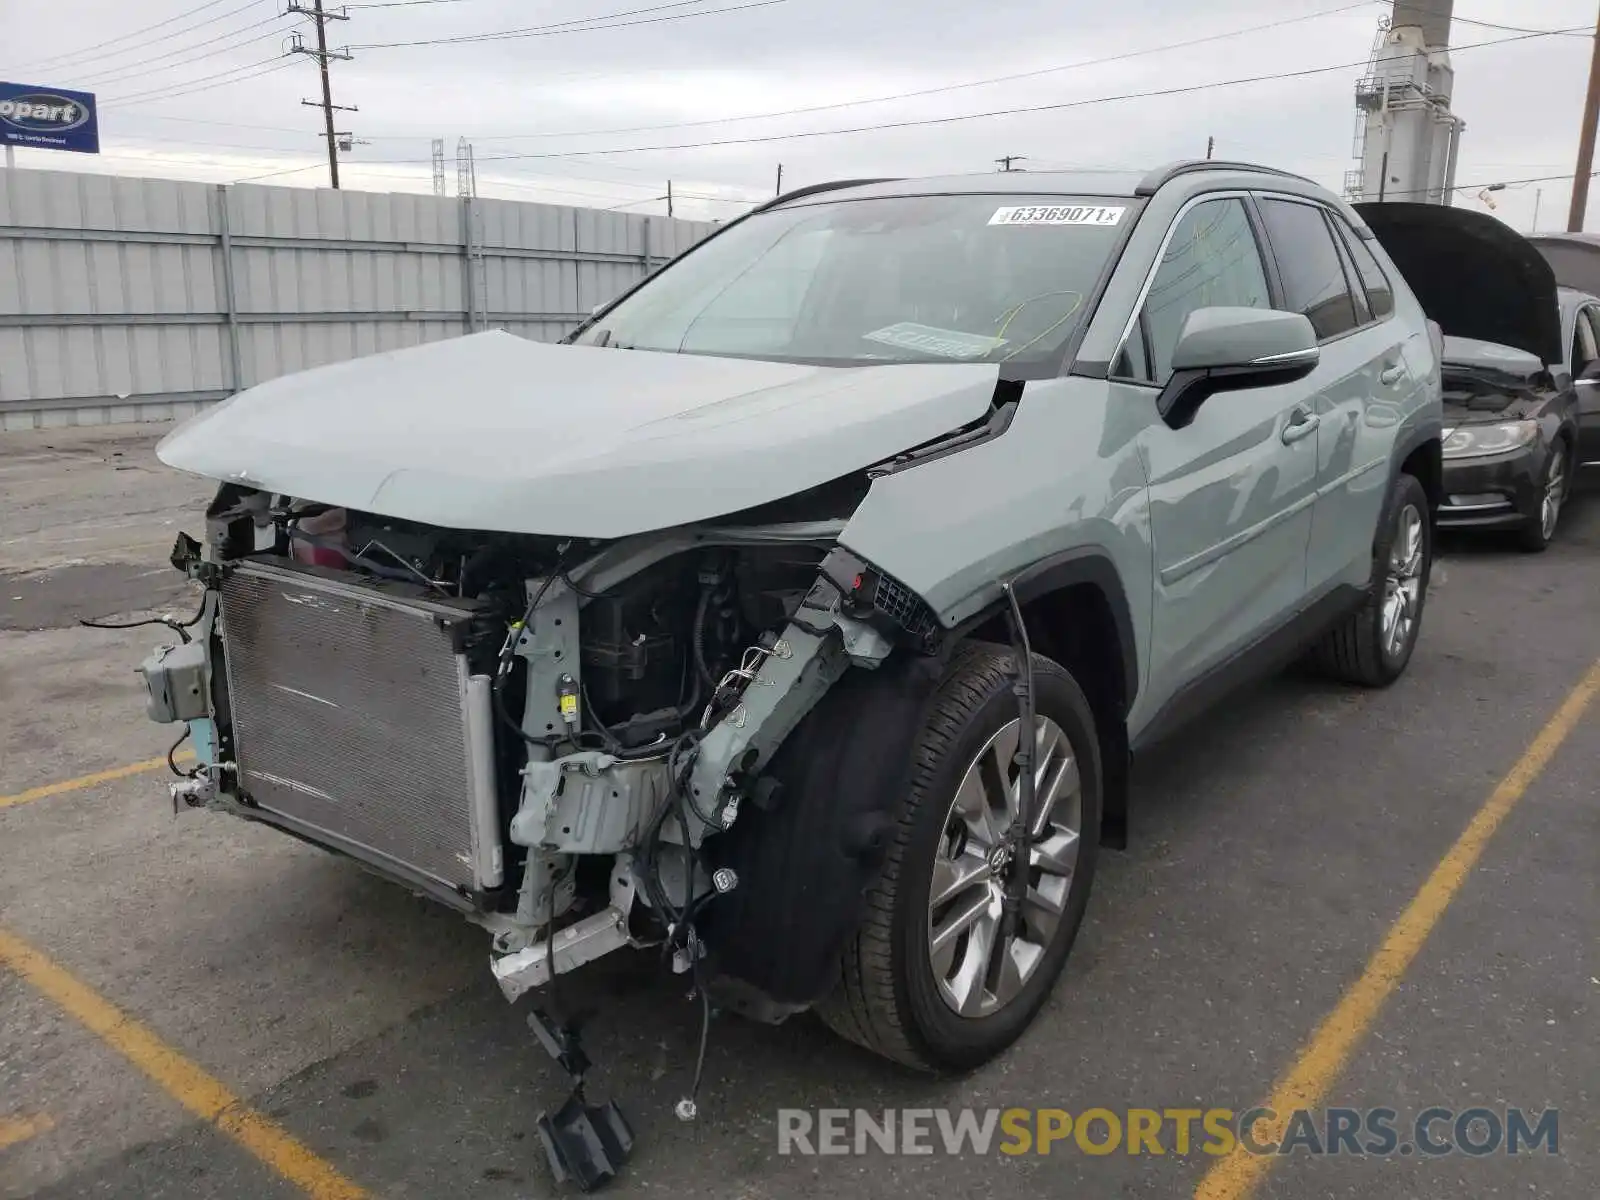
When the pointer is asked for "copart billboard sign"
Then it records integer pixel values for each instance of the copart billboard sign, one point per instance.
(48, 118)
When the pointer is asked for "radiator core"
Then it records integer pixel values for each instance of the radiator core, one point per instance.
(357, 721)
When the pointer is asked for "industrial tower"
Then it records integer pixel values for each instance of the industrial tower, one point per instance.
(1406, 136)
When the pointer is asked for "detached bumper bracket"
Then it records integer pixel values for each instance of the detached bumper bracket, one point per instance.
(585, 1143)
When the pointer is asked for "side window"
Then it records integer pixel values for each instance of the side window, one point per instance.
(1211, 260)
(1380, 295)
(1313, 279)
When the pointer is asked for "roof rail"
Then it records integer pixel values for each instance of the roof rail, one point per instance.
(814, 188)
(1156, 179)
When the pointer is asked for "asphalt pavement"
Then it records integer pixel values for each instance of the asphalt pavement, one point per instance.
(1273, 848)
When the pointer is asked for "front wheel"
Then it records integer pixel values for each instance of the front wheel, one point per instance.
(930, 979)
(1540, 523)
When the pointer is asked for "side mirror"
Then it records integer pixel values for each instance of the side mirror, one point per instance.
(1221, 349)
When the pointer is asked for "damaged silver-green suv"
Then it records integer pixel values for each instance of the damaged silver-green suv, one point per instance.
(802, 612)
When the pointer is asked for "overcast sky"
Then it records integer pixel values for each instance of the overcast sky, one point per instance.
(592, 102)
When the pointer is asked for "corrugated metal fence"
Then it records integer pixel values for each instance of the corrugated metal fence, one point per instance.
(144, 299)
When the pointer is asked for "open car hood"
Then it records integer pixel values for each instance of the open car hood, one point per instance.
(495, 432)
(1476, 276)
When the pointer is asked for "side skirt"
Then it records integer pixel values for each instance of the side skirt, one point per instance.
(1269, 654)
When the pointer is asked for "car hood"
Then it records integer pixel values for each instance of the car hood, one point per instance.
(1476, 276)
(495, 432)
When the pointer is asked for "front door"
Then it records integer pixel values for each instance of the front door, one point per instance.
(1231, 492)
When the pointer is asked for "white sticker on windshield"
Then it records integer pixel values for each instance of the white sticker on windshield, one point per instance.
(928, 339)
(1058, 214)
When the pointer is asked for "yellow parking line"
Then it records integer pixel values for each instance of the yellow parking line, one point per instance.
(1236, 1176)
(20, 1129)
(201, 1093)
(86, 781)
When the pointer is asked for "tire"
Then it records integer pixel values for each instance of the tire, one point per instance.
(1539, 528)
(888, 997)
(1357, 650)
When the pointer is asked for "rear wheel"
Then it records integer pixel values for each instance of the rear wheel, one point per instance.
(931, 979)
(1542, 518)
(1372, 646)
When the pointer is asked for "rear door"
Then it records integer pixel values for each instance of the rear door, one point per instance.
(1362, 377)
(1231, 492)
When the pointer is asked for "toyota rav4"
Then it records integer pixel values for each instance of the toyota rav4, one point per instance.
(800, 614)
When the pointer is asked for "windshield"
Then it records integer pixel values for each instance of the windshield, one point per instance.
(1001, 279)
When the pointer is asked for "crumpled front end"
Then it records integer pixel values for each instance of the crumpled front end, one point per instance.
(546, 734)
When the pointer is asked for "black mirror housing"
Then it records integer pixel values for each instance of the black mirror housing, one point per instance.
(1186, 391)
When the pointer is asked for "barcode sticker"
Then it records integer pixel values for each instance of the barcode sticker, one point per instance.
(1059, 214)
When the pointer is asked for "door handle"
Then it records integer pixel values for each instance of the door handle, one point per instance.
(1391, 374)
(1302, 423)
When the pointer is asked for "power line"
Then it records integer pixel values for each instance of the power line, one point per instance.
(128, 70)
(957, 118)
(173, 91)
(239, 124)
(582, 25)
(943, 88)
(1510, 28)
(57, 62)
(1467, 187)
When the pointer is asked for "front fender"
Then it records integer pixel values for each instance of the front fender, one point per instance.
(1061, 490)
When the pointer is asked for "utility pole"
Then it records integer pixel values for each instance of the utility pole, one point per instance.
(669, 197)
(1538, 199)
(438, 166)
(1591, 113)
(466, 169)
(1005, 161)
(1211, 144)
(779, 192)
(322, 54)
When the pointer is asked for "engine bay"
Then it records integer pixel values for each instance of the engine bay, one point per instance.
(555, 736)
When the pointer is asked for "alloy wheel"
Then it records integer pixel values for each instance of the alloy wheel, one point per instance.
(1402, 586)
(1555, 491)
(977, 971)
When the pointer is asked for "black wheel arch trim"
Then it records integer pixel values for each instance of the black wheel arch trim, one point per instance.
(1430, 430)
(1063, 569)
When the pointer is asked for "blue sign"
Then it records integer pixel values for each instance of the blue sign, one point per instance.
(46, 118)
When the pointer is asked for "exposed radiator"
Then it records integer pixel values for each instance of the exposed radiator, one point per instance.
(358, 724)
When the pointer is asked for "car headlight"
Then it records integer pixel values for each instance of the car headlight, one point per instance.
(1474, 441)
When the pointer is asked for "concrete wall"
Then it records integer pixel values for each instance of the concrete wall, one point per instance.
(145, 299)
